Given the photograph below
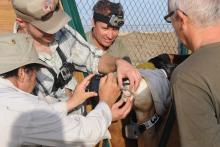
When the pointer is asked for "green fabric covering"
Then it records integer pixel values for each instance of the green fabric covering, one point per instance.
(183, 49)
(106, 143)
(70, 8)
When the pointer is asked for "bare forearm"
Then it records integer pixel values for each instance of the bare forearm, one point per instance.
(107, 64)
(72, 104)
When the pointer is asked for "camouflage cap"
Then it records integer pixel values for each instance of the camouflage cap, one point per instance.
(46, 15)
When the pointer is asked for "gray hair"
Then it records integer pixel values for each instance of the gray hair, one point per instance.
(201, 12)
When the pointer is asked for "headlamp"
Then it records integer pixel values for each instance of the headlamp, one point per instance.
(116, 21)
(112, 21)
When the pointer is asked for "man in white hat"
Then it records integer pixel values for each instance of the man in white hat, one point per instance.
(25, 119)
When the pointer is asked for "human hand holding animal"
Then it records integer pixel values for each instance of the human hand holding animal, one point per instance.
(79, 95)
(109, 89)
(121, 109)
(126, 70)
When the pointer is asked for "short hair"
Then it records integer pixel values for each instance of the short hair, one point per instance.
(107, 8)
(201, 12)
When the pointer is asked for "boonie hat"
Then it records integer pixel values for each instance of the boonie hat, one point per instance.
(46, 15)
(17, 50)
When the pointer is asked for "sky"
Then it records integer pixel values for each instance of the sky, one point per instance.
(140, 15)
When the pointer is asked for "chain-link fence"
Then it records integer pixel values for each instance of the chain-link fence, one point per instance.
(145, 32)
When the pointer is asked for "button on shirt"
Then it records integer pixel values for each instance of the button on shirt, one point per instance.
(27, 120)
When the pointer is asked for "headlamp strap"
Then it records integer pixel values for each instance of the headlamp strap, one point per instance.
(100, 17)
(113, 20)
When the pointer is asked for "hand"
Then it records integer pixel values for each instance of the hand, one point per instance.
(126, 70)
(119, 112)
(79, 95)
(109, 90)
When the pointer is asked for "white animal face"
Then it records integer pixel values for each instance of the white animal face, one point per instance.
(142, 96)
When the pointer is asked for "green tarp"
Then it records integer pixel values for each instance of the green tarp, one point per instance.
(70, 8)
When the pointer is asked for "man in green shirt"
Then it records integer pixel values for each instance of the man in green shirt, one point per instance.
(108, 17)
(195, 83)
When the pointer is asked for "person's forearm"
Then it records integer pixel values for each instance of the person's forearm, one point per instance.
(76, 130)
(107, 64)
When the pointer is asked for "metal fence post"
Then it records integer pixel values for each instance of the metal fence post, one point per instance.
(71, 9)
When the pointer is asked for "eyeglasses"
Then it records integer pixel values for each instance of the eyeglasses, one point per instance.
(168, 17)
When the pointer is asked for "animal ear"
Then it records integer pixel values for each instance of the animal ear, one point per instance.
(164, 62)
(160, 60)
(179, 58)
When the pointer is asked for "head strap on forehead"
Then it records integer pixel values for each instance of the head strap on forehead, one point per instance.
(112, 21)
(115, 16)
